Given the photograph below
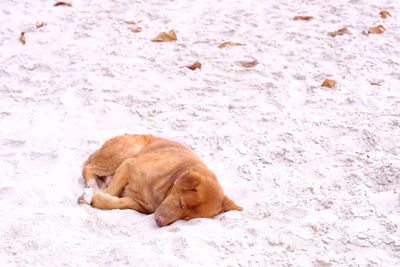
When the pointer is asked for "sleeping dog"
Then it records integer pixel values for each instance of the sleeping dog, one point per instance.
(153, 175)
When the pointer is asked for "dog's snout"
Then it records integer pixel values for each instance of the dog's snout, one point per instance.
(160, 220)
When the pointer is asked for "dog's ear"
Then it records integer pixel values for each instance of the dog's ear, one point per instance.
(228, 204)
(190, 180)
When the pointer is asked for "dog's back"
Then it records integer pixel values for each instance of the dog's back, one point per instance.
(110, 156)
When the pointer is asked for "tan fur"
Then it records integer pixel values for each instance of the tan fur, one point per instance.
(154, 175)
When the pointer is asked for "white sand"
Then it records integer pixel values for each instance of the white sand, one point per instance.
(317, 170)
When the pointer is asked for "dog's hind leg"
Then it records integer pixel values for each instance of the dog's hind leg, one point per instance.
(115, 186)
(91, 174)
(106, 160)
(120, 178)
(99, 164)
(110, 198)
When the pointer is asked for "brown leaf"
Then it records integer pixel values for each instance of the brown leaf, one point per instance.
(384, 14)
(131, 22)
(22, 38)
(196, 65)
(165, 37)
(328, 83)
(375, 30)
(306, 18)
(63, 3)
(136, 29)
(376, 83)
(227, 44)
(341, 31)
(40, 24)
(248, 64)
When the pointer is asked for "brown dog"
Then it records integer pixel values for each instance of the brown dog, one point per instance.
(152, 174)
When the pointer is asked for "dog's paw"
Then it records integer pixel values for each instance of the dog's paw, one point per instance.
(87, 196)
(98, 199)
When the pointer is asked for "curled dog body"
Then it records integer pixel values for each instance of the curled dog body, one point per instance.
(153, 175)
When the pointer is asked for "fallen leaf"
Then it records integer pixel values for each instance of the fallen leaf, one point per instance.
(131, 22)
(63, 3)
(40, 24)
(375, 30)
(341, 31)
(376, 83)
(196, 65)
(165, 37)
(136, 29)
(227, 44)
(22, 38)
(384, 14)
(328, 83)
(306, 18)
(248, 64)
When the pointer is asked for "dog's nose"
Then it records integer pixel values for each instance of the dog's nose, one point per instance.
(160, 221)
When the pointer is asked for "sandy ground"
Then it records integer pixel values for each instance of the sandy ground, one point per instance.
(317, 170)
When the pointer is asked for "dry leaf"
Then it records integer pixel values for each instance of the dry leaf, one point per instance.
(226, 44)
(248, 64)
(165, 37)
(136, 29)
(376, 83)
(40, 24)
(131, 22)
(196, 65)
(384, 14)
(341, 31)
(63, 3)
(375, 30)
(22, 38)
(306, 18)
(329, 83)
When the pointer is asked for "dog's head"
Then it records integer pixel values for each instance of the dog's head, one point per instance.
(193, 196)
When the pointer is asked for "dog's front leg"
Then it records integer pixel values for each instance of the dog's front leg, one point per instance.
(102, 200)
